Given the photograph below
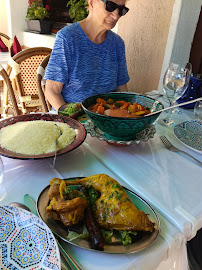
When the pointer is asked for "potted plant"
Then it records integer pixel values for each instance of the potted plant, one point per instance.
(37, 17)
(77, 9)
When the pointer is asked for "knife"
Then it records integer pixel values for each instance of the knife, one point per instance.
(73, 265)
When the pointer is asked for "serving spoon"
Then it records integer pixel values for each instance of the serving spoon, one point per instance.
(56, 143)
(68, 258)
(153, 108)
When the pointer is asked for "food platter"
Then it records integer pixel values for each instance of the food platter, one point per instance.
(190, 134)
(116, 247)
(77, 126)
(26, 241)
(144, 135)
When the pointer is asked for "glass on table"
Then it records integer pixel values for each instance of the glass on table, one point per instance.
(198, 110)
(2, 189)
(189, 67)
(175, 83)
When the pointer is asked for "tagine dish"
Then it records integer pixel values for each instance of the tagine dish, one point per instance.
(121, 115)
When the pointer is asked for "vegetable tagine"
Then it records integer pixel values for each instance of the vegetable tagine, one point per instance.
(119, 108)
(102, 204)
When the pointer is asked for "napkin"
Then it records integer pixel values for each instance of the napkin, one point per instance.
(15, 48)
(3, 47)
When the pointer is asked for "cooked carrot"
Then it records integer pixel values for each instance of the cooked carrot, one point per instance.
(100, 109)
(121, 101)
(101, 100)
(125, 105)
(147, 111)
(135, 104)
(140, 108)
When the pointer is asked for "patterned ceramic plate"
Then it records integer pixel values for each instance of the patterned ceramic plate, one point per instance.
(190, 134)
(144, 135)
(77, 126)
(26, 242)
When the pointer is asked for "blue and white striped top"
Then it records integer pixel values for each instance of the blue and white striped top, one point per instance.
(84, 67)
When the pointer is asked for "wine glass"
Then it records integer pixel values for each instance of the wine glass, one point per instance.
(175, 82)
(189, 67)
(2, 190)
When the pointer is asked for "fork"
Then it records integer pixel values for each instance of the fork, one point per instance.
(170, 147)
(56, 142)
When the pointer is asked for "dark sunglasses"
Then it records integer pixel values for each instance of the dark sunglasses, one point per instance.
(111, 6)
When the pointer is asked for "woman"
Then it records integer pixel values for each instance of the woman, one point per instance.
(88, 58)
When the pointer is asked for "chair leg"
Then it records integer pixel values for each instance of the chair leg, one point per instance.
(5, 111)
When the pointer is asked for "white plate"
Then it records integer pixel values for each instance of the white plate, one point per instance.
(190, 134)
(26, 242)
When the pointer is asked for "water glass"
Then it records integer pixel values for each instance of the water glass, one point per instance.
(175, 83)
(198, 110)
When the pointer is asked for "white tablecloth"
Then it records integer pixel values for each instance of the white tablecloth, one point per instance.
(168, 252)
(169, 181)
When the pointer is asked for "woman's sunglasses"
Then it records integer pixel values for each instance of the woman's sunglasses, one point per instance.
(111, 6)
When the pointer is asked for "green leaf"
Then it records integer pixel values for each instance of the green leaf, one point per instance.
(126, 238)
(107, 235)
(77, 9)
(73, 235)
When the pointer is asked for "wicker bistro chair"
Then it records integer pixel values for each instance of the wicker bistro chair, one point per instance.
(41, 84)
(9, 87)
(22, 70)
(6, 40)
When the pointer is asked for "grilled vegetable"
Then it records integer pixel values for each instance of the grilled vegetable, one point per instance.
(96, 238)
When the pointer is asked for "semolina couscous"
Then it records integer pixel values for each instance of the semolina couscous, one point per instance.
(35, 137)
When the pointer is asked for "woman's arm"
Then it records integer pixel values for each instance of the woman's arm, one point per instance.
(122, 88)
(53, 91)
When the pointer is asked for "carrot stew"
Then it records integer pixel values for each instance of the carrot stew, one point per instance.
(118, 108)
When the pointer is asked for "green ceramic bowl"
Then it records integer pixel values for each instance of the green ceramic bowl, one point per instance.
(121, 128)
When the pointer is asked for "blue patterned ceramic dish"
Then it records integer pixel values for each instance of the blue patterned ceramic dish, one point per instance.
(190, 134)
(122, 128)
(26, 242)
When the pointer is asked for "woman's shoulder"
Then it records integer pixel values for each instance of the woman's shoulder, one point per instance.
(115, 37)
(68, 30)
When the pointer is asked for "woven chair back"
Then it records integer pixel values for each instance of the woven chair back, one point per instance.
(22, 70)
(6, 40)
(41, 83)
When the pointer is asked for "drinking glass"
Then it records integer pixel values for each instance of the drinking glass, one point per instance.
(2, 190)
(189, 67)
(175, 83)
(198, 110)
